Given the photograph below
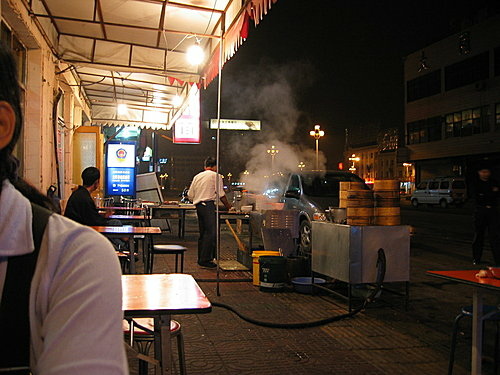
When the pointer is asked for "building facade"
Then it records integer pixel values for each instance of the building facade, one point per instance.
(53, 106)
(452, 102)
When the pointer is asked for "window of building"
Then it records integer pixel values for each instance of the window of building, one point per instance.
(424, 86)
(467, 122)
(468, 71)
(426, 130)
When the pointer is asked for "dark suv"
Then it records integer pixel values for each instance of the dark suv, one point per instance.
(311, 193)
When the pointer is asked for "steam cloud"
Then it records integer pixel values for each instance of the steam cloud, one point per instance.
(270, 95)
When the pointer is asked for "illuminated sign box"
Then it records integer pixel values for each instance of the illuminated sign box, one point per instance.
(187, 129)
(120, 169)
(235, 124)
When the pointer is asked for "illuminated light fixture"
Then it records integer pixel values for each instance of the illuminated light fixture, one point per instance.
(177, 101)
(122, 109)
(195, 54)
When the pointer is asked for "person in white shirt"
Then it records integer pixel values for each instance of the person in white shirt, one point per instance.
(68, 320)
(203, 193)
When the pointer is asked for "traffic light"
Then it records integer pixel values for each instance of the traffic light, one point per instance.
(340, 166)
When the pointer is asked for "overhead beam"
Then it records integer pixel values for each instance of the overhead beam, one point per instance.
(135, 27)
(128, 79)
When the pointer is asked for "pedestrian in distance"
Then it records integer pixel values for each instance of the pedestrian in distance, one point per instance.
(203, 193)
(485, 192)
(60, 282)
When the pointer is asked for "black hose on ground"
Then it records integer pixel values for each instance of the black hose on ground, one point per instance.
(381, 268)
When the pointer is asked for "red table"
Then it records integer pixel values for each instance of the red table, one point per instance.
(128, 232)
(468, 277)
(159, 296)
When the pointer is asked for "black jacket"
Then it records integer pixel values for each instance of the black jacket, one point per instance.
(483, 193)
(81, 208)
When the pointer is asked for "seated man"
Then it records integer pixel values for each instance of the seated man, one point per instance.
(81, 207)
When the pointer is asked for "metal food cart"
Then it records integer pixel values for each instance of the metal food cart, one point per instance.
(349, 253)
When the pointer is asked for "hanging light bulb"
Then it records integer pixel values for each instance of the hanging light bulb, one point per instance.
(195, 54)
(122, 109)
(177, 101)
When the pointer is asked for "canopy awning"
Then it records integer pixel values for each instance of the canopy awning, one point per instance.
(133, 52)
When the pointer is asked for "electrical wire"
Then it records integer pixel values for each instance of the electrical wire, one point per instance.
(381, 269)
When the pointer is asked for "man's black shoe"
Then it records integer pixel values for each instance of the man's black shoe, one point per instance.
(208, 265)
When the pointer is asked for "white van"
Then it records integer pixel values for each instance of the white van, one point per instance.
(440, 190)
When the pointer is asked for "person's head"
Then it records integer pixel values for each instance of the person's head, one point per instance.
(90, 178)
(211, 164)
(10, 115)
(484, 173)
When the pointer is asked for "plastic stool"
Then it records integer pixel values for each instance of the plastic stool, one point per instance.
(168, 249)
(143, 335)
(467, 311)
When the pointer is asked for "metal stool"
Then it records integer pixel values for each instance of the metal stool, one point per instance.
(168, 249)
(140, 331)
(467, 311)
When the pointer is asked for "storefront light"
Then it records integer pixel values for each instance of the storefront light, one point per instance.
(195, 54)
(121, 109)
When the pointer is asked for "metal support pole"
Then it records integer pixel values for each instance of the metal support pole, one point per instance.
(219, 90)
(317, 154)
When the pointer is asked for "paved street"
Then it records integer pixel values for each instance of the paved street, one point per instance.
(385, 339)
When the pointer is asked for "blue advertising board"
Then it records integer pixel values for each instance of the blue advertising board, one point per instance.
(120, 168)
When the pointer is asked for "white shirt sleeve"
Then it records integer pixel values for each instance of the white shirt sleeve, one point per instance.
(192, 189)
(76, 304)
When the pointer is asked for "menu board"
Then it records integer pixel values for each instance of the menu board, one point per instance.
(120, 168)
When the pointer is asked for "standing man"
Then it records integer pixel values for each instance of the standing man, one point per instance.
(485, 192)
(81, 207)
(203, 193)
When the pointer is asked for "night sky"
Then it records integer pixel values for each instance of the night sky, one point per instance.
(344, 58)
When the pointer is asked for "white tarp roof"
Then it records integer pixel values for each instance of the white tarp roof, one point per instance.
(134, 51)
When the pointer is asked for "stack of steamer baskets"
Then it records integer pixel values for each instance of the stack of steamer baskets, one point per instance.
(358, 201)
(387, 202)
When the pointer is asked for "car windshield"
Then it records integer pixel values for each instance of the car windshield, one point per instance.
(327, 185)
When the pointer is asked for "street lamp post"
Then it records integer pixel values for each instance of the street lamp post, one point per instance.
(273, 151)
(317, 134)
(301, 166)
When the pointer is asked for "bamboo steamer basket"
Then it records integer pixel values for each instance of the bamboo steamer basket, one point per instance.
(359, 212)
(359, 220)
(349, 185)
(391, 185)
(387, 211)
(387, 220)
(387, 202)
(386, 194)
(360, 198)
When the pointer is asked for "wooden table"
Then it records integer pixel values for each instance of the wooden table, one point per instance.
(164, 212)
(159, 296)
(128, 232)
(468, 277)
(133, 218)
(136, 210)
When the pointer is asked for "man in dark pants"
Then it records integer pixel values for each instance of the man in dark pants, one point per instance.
(203, 193)
(485, 192)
